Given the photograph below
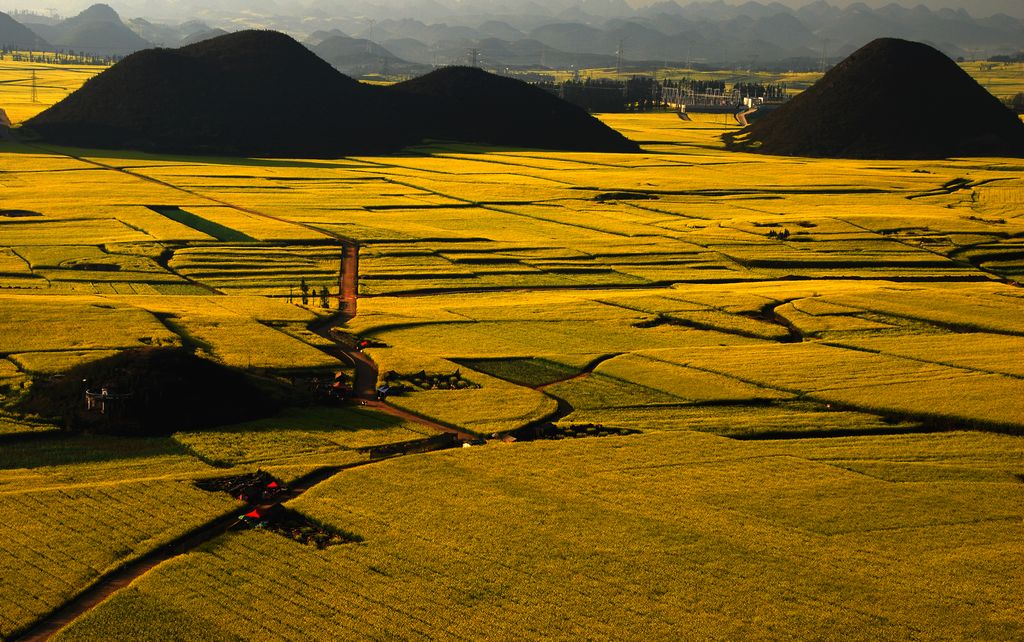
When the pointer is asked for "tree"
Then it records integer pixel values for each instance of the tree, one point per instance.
(325, 301)
(304, 289)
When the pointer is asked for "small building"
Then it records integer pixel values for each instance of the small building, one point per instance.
(108, 401)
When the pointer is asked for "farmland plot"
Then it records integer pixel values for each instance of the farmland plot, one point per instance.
(647, 537)
(861, 314)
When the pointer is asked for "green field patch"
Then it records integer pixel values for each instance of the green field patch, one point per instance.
(598, 391)
(200, 224)
(524, 371)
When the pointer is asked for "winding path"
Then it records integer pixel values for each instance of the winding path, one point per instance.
(120, 578)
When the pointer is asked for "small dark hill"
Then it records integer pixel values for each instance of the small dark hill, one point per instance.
(891, 99)
(15, 35)
(152, 391)
(251, 93)
(471, 105)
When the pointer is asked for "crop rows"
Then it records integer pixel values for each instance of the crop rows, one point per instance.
(58, 541)
(635, 538)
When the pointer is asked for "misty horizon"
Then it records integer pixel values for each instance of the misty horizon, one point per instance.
(404, 38)
(185, 9)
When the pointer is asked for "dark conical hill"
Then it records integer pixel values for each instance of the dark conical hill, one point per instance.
(252, 93)
(471, 105)
(891, 99)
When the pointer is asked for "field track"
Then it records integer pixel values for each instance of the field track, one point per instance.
(119, 579)
(122, 577)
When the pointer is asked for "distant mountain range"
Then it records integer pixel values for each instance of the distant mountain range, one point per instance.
(97, 30)
(408, 36)
(14, 35)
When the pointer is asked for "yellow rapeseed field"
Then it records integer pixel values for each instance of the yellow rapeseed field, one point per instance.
(821, 358)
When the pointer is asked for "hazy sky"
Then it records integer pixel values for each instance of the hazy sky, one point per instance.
(131, 8)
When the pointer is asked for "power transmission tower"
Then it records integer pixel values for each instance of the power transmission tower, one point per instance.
(824, 55)
(618, 67)
(474, 56)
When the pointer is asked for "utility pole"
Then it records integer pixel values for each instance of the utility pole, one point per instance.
(35, 97)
